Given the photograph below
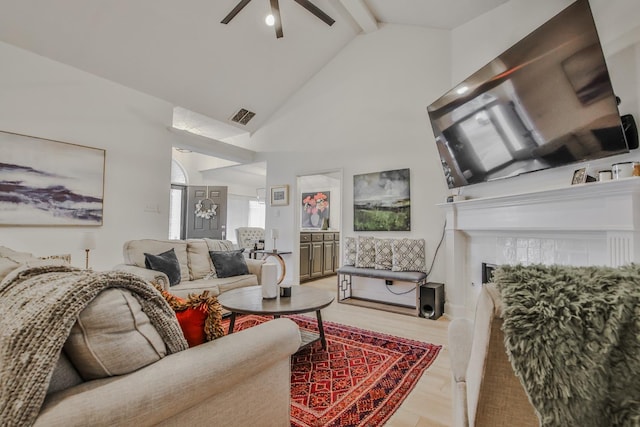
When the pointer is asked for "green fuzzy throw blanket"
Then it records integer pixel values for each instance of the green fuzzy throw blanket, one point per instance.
(573, 337)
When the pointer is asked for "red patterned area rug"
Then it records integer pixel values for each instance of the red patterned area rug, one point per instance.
(360, 380)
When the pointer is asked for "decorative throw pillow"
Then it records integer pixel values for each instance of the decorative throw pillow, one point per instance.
(217, 246)
(229, 263)
(113, 336)
(199, 316)
(384, 254)
(11, 260)
(15, 256)
(350, 250)
(408, 255)
(166, 263)
(198, 259)
(366, 252)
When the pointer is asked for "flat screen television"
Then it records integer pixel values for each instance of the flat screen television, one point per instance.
(545, 102)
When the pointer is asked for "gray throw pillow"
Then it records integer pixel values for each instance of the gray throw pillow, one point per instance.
(166, 263)
(229, 263)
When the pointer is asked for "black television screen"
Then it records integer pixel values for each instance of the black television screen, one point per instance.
(545, 102)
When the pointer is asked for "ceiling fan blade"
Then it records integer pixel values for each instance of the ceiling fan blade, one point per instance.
(235, 11)
(316, 11)
(275, 11)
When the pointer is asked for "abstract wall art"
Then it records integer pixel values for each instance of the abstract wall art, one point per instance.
(382, 201)
(45, 182)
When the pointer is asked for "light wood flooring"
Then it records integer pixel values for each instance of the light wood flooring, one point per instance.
(429, 403)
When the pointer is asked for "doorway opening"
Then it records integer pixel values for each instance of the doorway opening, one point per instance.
(319, 217)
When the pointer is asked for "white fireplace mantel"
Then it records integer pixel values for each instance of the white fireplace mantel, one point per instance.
(608, 212)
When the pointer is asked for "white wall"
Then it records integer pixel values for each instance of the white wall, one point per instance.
(194, 163)
(479, 41)
(365, 112)
(50, 100)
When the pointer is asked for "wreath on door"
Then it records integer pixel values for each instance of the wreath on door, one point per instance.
(206, 213)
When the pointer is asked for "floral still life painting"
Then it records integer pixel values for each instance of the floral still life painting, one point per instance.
(315, 209)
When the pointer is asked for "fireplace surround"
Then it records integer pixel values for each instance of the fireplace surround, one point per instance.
(587, 224)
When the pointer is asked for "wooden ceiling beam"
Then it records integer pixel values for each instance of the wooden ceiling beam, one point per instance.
(361, 14)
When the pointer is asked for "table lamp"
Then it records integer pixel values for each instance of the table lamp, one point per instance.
(274, 235)
(88, 242)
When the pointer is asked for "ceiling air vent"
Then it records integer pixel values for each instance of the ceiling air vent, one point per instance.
(243, 116)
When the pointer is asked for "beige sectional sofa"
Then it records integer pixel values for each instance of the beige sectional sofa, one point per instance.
(485, 389)
(242, 379)
(114, 370)
(195, 262)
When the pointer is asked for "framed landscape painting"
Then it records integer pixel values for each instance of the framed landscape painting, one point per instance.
(382, 201)
(46, 182)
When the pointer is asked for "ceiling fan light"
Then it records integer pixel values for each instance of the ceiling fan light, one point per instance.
(270, 20)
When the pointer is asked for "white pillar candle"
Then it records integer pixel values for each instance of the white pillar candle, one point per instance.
(269, 281)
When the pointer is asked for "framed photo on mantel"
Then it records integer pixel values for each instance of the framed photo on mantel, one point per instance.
(579, 176)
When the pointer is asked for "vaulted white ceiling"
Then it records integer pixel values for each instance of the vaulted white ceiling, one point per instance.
(180, 52)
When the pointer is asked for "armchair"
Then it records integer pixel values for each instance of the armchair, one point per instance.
(486, 391)
(246, 236)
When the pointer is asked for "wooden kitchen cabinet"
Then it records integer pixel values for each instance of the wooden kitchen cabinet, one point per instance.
(318, 254)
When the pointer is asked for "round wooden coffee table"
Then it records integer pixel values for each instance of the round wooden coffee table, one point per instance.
(249, 300)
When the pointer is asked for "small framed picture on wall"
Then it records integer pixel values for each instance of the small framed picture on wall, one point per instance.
(280, 195)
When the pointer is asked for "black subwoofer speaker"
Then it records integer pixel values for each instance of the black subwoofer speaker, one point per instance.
(431, 300)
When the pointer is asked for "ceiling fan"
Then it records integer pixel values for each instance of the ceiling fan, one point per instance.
(275, 11)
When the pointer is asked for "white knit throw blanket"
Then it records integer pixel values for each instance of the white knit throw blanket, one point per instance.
(38, 307)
